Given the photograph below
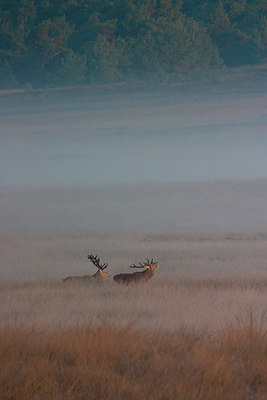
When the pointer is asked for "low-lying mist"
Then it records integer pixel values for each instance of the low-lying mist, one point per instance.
(91, 137)
(177, 174)
(168, 206)
(205, 280)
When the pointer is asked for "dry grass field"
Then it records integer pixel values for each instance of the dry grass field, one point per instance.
(196, 331)
(114, 363)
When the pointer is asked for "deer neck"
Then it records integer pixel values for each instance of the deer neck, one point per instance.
(100, 274)
(97, 274)
(148, 273)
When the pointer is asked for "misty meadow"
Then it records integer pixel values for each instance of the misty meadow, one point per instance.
(133, 134)
(175, 174)
(196, 330)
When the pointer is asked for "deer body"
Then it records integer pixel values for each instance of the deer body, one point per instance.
(97, 277)
(148, 273)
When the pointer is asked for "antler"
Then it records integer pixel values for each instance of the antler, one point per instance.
(149, 263)
(96, 261)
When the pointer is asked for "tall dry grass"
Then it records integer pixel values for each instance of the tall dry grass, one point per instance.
(108, 363)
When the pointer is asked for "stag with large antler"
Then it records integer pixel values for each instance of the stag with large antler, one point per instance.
(150, 269)
(97, 277)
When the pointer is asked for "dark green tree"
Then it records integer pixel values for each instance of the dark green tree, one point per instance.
(71, 42)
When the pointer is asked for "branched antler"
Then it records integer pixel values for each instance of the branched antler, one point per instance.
(96, 261)
(146, 264)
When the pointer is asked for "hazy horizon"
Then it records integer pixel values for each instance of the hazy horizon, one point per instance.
(170, 135)
(122, 158)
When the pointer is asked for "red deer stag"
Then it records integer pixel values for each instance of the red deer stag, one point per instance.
(150, 269)
(97, 277)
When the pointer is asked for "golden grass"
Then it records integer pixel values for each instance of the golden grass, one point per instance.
(106, 362)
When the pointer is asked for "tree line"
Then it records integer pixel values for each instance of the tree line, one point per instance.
(48, 43)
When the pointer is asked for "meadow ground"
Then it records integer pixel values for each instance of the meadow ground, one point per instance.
(196, 331)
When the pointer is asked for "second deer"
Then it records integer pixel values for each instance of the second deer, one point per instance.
(150, 269)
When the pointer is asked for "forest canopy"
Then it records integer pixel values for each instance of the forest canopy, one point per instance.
(49, 43)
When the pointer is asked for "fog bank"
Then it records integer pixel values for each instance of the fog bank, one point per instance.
(201, 205)
(113, 136)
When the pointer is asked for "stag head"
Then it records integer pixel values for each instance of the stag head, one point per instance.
(95, 260)
(147, 265)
